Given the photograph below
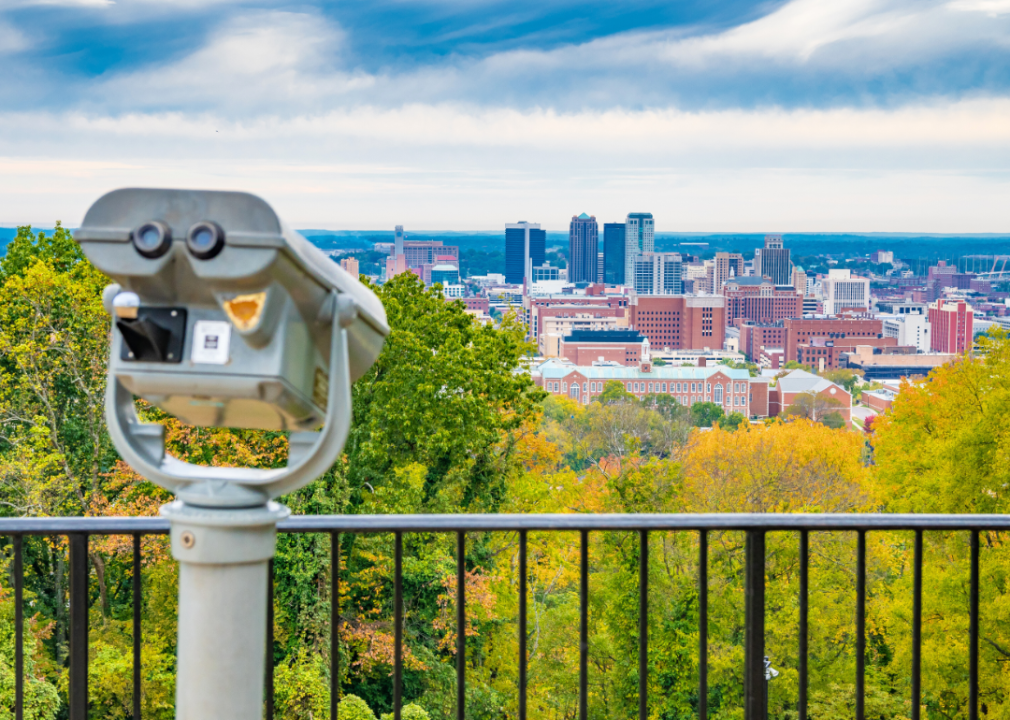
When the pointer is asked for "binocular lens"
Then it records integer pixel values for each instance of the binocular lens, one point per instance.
(205, 240)
(152, 239)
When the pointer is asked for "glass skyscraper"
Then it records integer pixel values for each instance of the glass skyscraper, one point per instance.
(525, 249)
(583, 245)
(639, 238)
(613, 253)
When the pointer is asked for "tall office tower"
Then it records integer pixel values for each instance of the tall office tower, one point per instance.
(583, 244)
(638, 238)
(726, 265)
(398, 242)
(799, 282)
(773, 260)
(350, 264)
(599, 267)
(845, 291)
(659, 274)
(525, 245)
(614, 241)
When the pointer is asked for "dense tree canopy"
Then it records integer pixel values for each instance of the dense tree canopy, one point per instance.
(448, 421)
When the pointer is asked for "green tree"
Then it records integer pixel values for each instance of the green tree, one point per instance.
(733, 421)
(444, 393)
(614, 391)
(705, 414)
(816, 407)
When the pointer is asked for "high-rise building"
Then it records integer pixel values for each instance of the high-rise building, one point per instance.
(659, 274)
(845, 291)
(639, 237)
(614, 243)
(525, 245)
(799, 280)
(599, 267)
(445, 273)
(773, 261)
(758, 300)
(398, 241)
(583, 244)
(951, 328)
(726, 266)
(350, 264)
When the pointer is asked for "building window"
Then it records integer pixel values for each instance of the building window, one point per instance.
(736, 400)
(710, 387)
(575, 390)
(664, 388)
(650, 387)
(718, 394)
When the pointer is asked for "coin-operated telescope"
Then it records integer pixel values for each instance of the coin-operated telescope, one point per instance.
(225, 317)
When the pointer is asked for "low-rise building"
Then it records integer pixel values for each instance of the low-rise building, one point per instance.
(584, 347)
(791, 386)
(877, 365)
(718, 384)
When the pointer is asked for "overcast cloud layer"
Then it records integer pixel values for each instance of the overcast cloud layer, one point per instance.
(804, 115)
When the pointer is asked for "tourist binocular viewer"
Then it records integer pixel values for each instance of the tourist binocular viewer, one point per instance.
(225, 317)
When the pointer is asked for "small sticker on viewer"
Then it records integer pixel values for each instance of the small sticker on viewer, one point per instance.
(211, 342)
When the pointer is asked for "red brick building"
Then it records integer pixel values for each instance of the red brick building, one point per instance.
(797, 383)
(754, 338)
(584, 347)
(477, 304)
(760, 300)
(951, 326)
(809, 340)
(679, 322)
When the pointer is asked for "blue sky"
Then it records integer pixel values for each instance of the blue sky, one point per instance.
(722, 115)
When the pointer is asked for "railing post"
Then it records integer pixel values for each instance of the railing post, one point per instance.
(78, 672)
(755, 692)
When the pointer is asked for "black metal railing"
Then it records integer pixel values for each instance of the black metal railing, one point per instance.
(755, 526)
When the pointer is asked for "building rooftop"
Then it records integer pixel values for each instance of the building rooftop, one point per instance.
(556, 369)
(799, 381)
(614, 336)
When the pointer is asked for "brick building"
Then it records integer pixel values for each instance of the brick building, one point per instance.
(536, 309)
(757, 339)
(951, 328)
(584, 347)
(816, 338)
(793, 385)
(759, 300)
(719, 384)
(477, 304)
(679, 322)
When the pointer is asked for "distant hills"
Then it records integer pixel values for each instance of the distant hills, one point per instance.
(904, 245)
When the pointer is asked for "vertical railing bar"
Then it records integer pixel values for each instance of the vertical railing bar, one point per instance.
(973, 632)
(460, 625)
(703, 625)
(522, 625)
(643, 625)
(917, 628)
(755, 707)
(268, 680)
(137, 591)
(19, 629)
(398, 627)
(78, 671)
(860, 624)
(804, 621)
(584, 625)
(334, 623)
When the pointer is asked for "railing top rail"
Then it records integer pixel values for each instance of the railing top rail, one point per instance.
(557, 522)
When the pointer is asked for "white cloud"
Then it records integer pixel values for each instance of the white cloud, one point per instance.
(267, 59)
(992, 8)
(919, 168)
(11, 39)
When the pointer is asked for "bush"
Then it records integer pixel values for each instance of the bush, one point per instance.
(354, 708)
(409, 712)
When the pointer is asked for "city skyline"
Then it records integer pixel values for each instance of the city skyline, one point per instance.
(799, 115)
